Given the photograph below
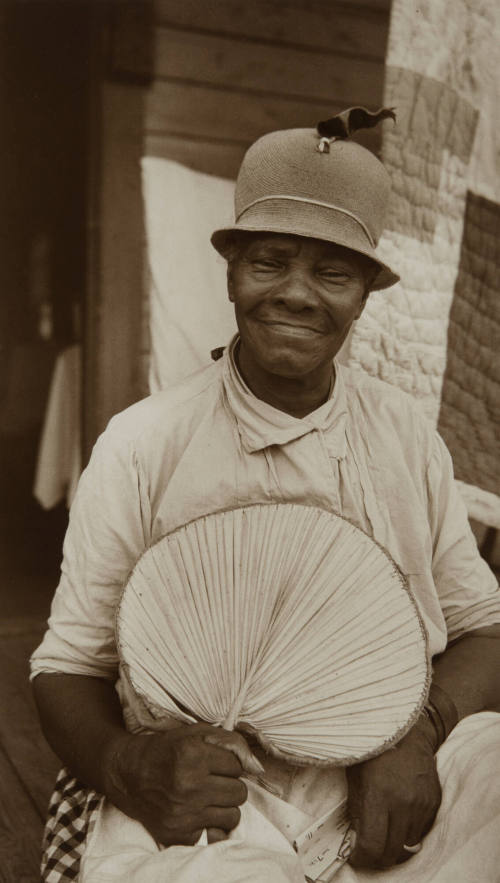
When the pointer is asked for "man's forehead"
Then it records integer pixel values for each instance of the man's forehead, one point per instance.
(276, 242)
(290, 245)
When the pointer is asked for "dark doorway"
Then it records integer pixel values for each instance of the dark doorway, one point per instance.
(44, 52)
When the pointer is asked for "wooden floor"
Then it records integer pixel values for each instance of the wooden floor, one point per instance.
(27, 765)
(30, 554)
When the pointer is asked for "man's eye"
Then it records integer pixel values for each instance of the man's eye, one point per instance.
(333, 275)
(266, 265)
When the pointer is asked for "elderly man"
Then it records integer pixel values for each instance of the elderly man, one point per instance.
(276, 419)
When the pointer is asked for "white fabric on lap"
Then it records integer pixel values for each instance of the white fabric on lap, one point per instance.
(256, 852)
(462, 847)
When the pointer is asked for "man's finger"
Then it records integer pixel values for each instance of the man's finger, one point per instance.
(225, 791)
(371, 835)
(215, 835)
(188, 827)
(225, 818)
(221, 761)
(419, 826)
(398, 833)
(236, 744)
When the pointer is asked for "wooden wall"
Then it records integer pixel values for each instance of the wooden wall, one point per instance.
(197, 81)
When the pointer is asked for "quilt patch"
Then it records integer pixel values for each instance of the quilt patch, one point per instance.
(469, 419)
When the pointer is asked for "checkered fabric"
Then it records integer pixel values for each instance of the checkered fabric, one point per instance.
(72, 813)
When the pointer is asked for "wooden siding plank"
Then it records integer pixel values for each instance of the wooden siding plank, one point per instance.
(21, 829)
(205, 112)
(223, 61)
(20, 734)
(130, 47)
(116, 380)
(359, 30)
(220, 159)
(175, 108)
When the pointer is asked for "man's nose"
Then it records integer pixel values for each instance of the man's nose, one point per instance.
(296, 292)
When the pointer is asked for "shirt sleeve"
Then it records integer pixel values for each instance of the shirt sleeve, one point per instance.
(468, 590)
(109, 528)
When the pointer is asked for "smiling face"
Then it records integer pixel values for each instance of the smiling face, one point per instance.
(295, 300)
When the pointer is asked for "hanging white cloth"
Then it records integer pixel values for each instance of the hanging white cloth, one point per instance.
(59, 455)
(190, 313)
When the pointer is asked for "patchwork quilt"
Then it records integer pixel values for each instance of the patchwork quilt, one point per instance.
(436, 334)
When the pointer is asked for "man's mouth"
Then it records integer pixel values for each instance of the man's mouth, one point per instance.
(287, 327)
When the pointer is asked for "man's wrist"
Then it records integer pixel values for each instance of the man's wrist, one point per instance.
(426, 724)
(430, 717)
(113, 765)
(441, 712)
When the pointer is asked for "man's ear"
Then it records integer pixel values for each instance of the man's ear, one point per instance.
(363, 303)
(230, 285)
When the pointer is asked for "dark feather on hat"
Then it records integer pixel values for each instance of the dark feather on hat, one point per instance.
(344, 124)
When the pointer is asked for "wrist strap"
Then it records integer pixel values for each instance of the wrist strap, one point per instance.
(441, 710)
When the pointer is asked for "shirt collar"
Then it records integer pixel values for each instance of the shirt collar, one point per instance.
(260, 425)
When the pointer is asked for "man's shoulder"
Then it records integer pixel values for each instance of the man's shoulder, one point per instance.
(393, 424)
(164, 410)
(385, 402)
(365, 386)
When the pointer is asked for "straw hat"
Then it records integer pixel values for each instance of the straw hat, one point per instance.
(295, 181)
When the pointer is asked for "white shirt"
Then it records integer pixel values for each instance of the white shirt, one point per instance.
(210, 444)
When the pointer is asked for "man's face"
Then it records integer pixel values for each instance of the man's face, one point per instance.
(295, 300)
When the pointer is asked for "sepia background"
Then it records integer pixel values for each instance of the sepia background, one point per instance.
(87, 90)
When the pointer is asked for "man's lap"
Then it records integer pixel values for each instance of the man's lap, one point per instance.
(463, 845)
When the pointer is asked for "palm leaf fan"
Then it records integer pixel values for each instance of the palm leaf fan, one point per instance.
(281, 619)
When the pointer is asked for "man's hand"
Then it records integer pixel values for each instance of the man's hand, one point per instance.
(393, 799)
(179, 782)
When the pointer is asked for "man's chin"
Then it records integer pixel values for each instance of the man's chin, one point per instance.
(293, 368)
(289, 359)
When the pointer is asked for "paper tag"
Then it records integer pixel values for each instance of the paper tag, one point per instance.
(326, 845)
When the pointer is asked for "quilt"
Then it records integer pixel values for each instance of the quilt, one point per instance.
(436, 334)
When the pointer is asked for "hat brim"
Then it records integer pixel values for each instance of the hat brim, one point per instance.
(309, 220)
